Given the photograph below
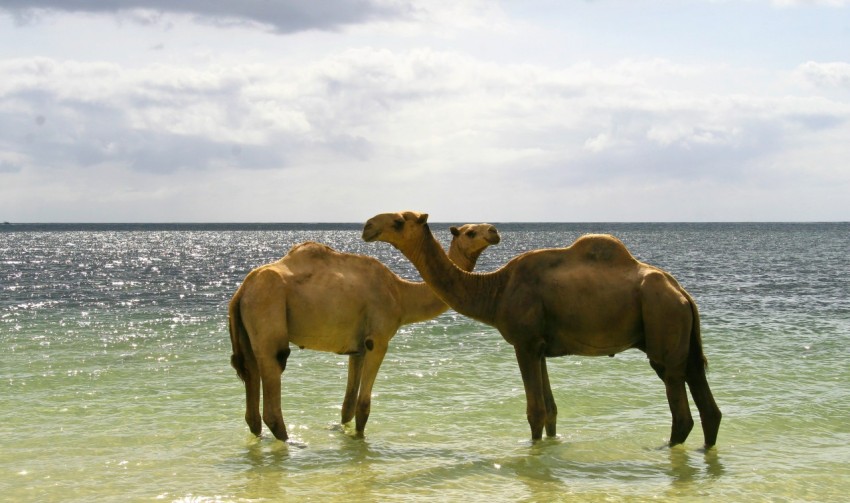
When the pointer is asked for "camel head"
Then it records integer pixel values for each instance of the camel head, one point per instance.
(406, 228)
(396, 229)
(474, 238)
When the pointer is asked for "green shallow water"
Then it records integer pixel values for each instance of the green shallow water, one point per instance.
(116, 383)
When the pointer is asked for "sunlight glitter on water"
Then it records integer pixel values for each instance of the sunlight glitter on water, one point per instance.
(125, 391)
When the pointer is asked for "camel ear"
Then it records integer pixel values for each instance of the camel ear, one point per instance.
(455, 231)
(423, 217)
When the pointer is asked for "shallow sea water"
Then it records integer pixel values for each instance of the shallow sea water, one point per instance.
(116, 384)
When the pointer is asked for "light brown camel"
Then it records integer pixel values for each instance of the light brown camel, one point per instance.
(321, 299)
(592, 298)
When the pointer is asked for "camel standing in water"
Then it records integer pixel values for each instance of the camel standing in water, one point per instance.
(321, 299)
(592, 298)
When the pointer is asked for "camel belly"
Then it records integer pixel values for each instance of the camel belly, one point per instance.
(606, 332)
(600, 344)
(591, 319)
(342, 344)
(332, 334)
(330, 326)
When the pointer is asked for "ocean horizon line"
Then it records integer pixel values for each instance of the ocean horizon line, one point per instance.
(340, 222)
(592, 226)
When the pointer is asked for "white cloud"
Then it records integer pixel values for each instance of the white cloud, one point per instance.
(371, 111)
(834, 74)
(366, 112)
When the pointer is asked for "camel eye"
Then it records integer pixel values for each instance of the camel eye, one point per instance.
(398, 224)
(470, 234)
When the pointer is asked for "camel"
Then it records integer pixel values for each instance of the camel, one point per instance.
(321, 299)
(591, 298)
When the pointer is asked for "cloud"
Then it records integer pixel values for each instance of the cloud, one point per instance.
(365, 125)
(284, 16)
(835, 74)
(8, 167)
(360, 104)
(160, 119)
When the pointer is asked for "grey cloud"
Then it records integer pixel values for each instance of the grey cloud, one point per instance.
(381, 107)
(8, 167)
(106, 138)
(817, 121)
(284, 16)
(166, 152)
(52, 132)
(732, 155)
(650, 163)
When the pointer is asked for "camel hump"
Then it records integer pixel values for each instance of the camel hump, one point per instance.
(601, 248)
(310, 250)
(310, 247)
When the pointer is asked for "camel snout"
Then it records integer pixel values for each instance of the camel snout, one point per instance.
(370, 233)
(493, 236)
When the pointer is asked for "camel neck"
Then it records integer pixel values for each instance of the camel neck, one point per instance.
(462, 291)
(420, 300)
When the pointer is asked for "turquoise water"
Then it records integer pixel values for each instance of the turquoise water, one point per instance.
(116, 384)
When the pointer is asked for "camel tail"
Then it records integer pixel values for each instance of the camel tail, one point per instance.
(238, 338)
(696, 356)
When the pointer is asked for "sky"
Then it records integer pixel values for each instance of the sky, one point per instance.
(469, 110)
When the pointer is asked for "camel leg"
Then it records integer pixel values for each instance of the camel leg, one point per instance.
(709, 412)
(532, 379)
(677, 398)
(549, 400)
(375, 352)
(271, 370)
(355, 370)
(668, 318)
(252, 396)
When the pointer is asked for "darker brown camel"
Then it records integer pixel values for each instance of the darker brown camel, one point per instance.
(321, 299)
(592, 298)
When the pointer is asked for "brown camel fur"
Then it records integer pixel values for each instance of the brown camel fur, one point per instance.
(318, 298)
(592, 298)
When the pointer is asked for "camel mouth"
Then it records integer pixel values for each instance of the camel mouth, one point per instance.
(370, 235)
(493, 237)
